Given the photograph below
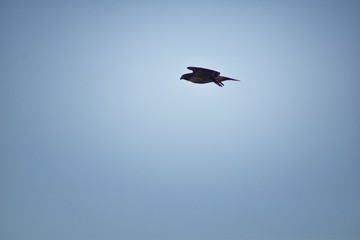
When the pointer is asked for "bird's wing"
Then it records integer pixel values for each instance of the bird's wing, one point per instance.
(204, 72)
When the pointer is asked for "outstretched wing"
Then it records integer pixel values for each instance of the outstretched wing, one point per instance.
(204, 72)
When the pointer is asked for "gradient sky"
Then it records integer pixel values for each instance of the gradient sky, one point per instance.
(99, 138)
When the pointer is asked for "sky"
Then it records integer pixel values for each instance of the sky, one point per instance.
(100, 139)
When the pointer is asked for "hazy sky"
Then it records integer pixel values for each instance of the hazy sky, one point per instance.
(99, 138)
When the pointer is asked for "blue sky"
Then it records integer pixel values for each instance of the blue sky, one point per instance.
(101, 140)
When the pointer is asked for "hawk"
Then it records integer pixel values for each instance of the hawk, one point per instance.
(203, 75)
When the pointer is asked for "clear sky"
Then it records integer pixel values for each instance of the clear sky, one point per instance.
(100, 139)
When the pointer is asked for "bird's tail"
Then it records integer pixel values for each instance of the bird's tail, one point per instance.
(222, 78)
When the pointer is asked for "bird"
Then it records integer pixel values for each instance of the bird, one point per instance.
(204, 75)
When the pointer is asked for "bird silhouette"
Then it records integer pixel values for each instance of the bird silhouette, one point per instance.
(204, 75)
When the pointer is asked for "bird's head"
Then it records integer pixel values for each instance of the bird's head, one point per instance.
(186, 76)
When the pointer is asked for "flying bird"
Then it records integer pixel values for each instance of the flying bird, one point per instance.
(203, 75)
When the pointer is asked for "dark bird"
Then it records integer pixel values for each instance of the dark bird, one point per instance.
(203, 75)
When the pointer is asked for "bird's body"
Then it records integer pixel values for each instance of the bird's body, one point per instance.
(204, 75)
